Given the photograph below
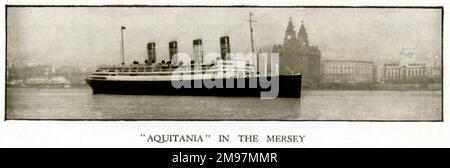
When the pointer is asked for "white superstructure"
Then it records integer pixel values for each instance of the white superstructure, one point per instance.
(157, 72)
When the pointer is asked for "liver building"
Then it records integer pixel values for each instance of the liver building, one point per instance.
(296, 55)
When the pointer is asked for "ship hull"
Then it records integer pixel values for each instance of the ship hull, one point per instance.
(289, 86)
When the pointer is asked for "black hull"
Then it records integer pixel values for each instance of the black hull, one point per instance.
(289, 86)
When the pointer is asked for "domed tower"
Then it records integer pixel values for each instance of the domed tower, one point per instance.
(303, 36)
(290, 33)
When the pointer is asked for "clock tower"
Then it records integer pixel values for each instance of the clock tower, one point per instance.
(290, 33)
(296, 55)
(303, 36)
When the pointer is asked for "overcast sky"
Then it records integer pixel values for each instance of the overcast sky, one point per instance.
(90, 36)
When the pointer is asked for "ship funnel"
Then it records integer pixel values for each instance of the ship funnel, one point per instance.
(198, 51)
(173, 50)
(151, 52)
(224, 46)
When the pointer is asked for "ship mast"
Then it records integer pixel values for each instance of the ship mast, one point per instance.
(251, 38)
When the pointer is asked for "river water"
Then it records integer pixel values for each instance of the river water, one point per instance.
(80, 103)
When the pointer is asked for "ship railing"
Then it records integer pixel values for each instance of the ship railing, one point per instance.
(136, 68)
(139, 68)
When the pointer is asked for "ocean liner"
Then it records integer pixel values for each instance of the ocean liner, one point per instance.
(223, 77)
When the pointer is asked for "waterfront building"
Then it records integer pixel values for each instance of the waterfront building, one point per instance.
(407, 70)
(297, 56)
(397, 73)
(348, 72)
(31, 70)
(33, 73)
(434, 73)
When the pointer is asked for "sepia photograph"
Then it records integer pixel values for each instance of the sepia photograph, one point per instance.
(224, 63)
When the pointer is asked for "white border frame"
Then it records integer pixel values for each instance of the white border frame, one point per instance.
(318, 134)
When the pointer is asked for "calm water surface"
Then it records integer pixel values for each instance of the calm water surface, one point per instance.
(30, 103)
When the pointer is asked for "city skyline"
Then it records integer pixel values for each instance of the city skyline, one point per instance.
(91, 36)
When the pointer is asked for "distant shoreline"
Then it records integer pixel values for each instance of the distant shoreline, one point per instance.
(374, 87)
(403, 86)
(49, 86)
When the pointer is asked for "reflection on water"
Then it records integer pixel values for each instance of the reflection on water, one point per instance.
(28, 103)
